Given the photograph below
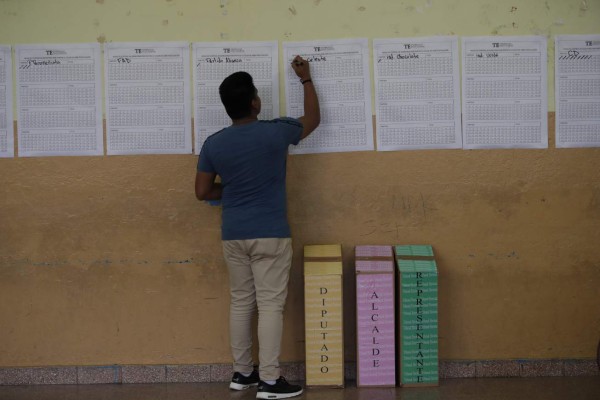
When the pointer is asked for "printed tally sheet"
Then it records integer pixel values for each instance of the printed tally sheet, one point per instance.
(213, 62)
(340, 72)
(148, 98)
(577, 89)
(504, 92)
(59, 99)
(417, 93)
(6, 105)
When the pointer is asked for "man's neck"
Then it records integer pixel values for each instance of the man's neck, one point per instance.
(245, 120)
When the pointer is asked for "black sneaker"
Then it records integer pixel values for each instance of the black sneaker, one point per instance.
(280, 390)
(240, 382)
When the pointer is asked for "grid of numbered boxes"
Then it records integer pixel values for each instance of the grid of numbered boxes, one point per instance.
(396, 316)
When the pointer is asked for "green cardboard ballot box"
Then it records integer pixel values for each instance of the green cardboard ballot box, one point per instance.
(417, 288)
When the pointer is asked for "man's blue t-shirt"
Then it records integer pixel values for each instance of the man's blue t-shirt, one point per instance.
(251, 161)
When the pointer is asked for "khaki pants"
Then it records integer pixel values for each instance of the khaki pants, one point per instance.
(259, 271)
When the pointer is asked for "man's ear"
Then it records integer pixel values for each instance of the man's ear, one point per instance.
(255, 104)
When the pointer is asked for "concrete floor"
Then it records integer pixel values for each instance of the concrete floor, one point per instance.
(563, 388)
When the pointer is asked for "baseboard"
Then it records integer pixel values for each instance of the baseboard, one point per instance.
(124, 374)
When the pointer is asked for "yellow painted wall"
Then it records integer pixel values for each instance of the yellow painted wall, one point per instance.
(111, 260)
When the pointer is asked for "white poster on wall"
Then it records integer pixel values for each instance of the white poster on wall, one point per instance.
(340, 73)
(59, 100)
(215, 61)
(577, 89)
(7, 145)
(417, 93)
(504, 92)
(148, 101)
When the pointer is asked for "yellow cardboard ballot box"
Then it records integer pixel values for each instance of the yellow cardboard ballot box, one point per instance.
(323, 299)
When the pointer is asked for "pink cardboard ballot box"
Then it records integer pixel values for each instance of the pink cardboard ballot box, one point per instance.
(375, 333)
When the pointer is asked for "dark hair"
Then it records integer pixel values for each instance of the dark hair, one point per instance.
(237, 92)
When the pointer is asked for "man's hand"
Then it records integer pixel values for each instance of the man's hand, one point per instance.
(301, 68)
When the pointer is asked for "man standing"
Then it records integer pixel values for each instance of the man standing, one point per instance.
(250, 157)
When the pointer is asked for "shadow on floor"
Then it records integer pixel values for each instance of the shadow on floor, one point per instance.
(559, 388)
